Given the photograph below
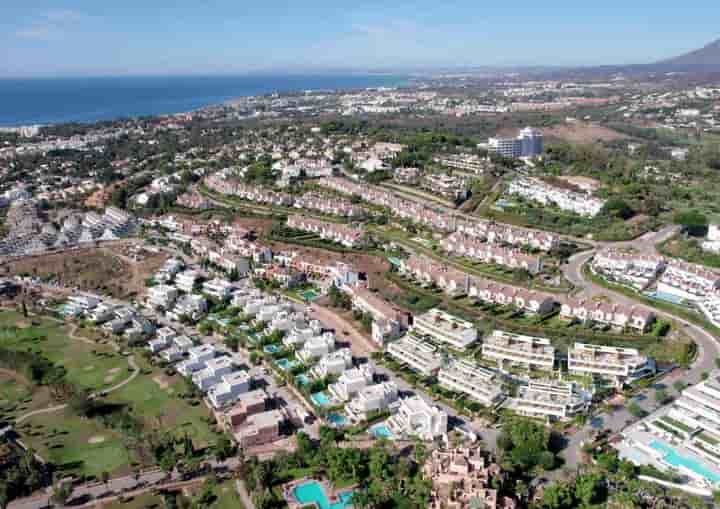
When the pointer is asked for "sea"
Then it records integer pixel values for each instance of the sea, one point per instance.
(62, 100)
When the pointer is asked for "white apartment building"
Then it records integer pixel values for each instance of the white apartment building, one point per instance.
(619, 364)
(333, 363)
(417, 418)
(552, 399)
(689, 281)
(191, 305)
(162, 296)
(229, 389)
(301, 333)
(351, 382)
(536, 190)
(171, 354)
(529, 143)
(183, 343)
(480, 384)
(185, 281)
(419, 355)
(372, 398)
(218, 289)
(442, 327)
(518, 349)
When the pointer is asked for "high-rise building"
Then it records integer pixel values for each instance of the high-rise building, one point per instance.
(529, 143)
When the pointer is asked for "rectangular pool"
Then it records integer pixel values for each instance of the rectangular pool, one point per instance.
(672, 457)
(312, 492)
(320, 399)
(381, 431)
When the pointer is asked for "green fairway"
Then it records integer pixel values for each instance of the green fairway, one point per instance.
(76, 445)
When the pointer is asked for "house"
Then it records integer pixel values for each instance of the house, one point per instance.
(316, 347)
(161, 296)
(387, 321)
(246, 404)
(229, 388)
(259, 429)
(212, 373)
(197, 359)
(333, 363)
(218, 289)
(351, 381)
(415, 417)
(614, 315)
(518, 349)
(372, 398)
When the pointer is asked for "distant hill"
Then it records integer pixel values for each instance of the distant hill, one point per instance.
(706, 56)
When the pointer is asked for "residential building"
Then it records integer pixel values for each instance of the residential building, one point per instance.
(419, 355)
(415, 417)
(316, 347)
(441, 327)
(246, 404)
(529, 143)
(480, 384)
(689, 281)
(351, 382)
(519, 350)
(218, 289)
(619, 364)
(229, 388)
(211, 374)
(607, 313)
(259, 429)
(551, 399)
(197, 359)
(162, 296)
(372, 398)
(537, 190)
(333, 363)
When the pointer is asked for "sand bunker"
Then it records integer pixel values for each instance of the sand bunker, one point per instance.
(89, 368)
(97, 439)
(114, 371)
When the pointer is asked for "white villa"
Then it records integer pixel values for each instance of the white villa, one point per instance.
(417, 418)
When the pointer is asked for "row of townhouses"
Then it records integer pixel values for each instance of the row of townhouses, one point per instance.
(342, 234)
(460, 244)
(615, 315)
(627, 267)
(539, 191)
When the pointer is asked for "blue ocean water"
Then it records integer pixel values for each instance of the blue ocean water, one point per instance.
(58, 100)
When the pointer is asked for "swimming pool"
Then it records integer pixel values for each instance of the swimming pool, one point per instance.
(667, 297)
(337, 420)
(381, 431)
(312, 493)
(285, 364)
(320, 399)
(309, 295)
(302, 379)
(271, 349)
(672, 457)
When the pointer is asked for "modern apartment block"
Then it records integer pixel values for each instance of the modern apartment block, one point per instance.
(550, 399)
(619, 364)
(518, 349)
(442, 327)
(529, 143)
(416, 353)
(481, 384)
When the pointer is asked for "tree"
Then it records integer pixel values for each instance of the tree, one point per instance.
(661, 396)
(616, 207)
(635, 410)
(105, 477)
(558, 496)
(694, 222)
(223, 448)
(61, 492)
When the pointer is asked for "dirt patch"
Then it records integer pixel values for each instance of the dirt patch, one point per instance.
(109, 379)
(114, 371)
(582, 132)
(15, 376)
(161, 382)
(96, 439)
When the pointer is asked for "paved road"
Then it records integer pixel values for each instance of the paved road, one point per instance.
(707, 345)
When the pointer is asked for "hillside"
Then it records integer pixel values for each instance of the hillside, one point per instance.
(707, 56)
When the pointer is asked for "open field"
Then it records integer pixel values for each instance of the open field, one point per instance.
(155, 398)
(583, 132)
(93, 269)
(76, 445)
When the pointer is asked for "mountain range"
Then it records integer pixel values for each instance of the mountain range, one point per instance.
(708, 55)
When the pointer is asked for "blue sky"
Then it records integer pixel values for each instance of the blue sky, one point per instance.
(105, 37)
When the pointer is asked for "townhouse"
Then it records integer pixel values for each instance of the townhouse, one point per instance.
(439, 326)
(634, 269)
(419, 355)
(461, 244)
(689, 281)
(480, 384)
(427, 271)
(537, 190)
(340, 233)
(387, 322)
(415, 417)
(550, 399)
(328, 205)
(496, 233)
(622, 365)
(519, 350)
(615, 315)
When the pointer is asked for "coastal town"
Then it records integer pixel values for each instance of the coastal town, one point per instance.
(499, 295)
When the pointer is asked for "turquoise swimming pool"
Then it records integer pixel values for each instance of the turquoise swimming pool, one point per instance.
(667, 297)
(381, 431)
(271, 349)
(320, 399)
(285, 364)
(337, 419)
(302, 379)
(675, 459)
(312, 492)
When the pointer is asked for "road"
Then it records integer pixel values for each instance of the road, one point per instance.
(708, 347)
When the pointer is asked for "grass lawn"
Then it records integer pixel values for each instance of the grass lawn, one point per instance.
(227, 497)
(92, 366)
(161, 405)
(18, 397)
(76, 445)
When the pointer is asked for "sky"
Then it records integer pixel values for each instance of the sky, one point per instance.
(159, 37)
